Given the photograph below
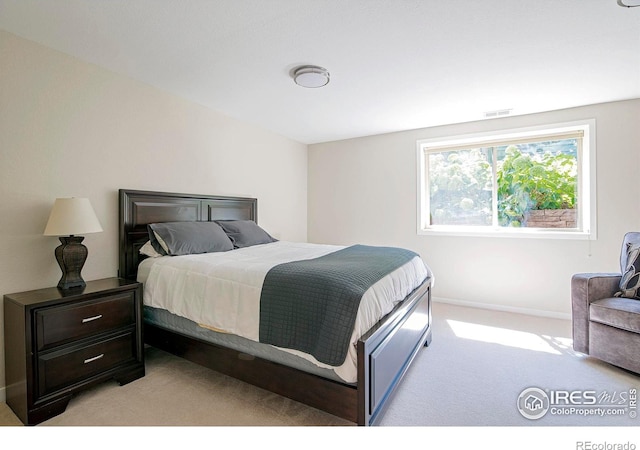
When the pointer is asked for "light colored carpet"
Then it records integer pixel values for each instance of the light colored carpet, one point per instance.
(471, 375)
(480, 361)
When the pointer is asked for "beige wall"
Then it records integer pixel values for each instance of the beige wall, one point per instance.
(68, 128)
(364, 190)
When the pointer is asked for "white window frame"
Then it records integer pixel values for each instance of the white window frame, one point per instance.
(586, 227)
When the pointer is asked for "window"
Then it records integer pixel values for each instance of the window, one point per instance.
(531, 183)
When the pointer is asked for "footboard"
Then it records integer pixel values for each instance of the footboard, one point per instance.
(386, 352)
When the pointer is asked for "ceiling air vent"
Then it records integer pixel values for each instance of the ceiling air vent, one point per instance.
(497, 113)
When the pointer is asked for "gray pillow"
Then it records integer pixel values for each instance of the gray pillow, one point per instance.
(188, 238)
(245, 233)
(630, 281)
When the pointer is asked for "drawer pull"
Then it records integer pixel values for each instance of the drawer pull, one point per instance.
(87, 361)
(91, 319)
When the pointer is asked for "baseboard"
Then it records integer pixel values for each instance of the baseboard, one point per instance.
(511, 309)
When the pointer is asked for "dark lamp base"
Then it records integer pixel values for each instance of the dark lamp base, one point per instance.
(71, 256)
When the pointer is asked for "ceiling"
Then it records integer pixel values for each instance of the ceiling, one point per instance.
(394, 64)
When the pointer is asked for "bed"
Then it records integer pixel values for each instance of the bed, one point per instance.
(381, 353)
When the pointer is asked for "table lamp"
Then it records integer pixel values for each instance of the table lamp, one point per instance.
(70, 217)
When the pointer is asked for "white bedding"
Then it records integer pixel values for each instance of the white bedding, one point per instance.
(222, 290)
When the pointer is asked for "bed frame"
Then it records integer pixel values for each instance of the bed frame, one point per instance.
(385, 352)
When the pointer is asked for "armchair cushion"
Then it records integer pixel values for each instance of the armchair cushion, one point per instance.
(620, 313)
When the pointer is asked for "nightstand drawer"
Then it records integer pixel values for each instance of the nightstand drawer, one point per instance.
(62, 324)
(60, 369)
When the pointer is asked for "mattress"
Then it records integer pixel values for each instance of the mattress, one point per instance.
(221, 291)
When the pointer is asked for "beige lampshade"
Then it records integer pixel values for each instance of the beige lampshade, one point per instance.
(72, 216)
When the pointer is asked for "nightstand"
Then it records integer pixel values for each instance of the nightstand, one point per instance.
(60, 342)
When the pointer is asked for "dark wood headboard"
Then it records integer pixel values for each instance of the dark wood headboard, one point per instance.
(139, 208)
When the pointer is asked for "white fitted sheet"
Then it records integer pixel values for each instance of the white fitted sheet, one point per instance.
(222, 290)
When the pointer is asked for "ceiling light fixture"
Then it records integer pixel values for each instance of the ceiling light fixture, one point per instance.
(629, 3)
(311, 76)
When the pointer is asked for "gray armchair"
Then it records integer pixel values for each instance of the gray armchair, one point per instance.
(607, 326)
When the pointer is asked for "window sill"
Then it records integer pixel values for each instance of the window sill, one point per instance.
(520, 233)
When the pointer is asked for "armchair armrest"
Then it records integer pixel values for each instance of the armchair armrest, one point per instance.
(585, 289)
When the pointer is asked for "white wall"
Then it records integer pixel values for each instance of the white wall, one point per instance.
(364, 191)
(68, 128)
